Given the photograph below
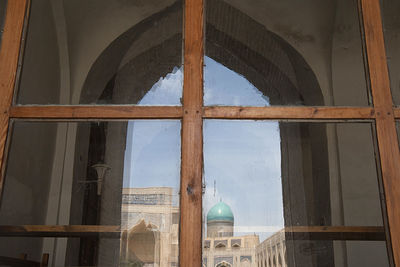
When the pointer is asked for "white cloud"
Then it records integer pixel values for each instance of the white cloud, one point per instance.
(167, 91)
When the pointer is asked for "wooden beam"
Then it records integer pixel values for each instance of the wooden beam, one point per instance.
(288, 113)
(45, 260)
(298, 232)
(385, 124)
(60, 230)
(190, 238)
(365, 233)
(96, 112)
(334, 229)
(9, 53)
(15, 262)
(176, 112)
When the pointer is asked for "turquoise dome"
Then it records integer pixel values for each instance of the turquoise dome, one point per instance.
(220, 212)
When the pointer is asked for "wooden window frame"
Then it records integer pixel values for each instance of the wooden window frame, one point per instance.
(192, 114)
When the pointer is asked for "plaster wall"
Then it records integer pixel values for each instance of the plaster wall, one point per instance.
(326, 34)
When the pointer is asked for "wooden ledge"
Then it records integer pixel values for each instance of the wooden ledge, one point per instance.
(281, 112)
(176, 112)
(60, 230)
(367, 233)
(96, 112)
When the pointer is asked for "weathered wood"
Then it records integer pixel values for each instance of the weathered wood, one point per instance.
(14, 262)
(385, 124)
(60, 230)
(9, 53)
(175, 112)
(190, 253)
(288, 113)
(366, 233)
(300, 232)
(45, 260)
(335, 229)
(96, 112)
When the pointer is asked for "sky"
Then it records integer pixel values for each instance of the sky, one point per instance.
(242, 157)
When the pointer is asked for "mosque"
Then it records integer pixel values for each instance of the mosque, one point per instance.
(150, 224)
(222, 249)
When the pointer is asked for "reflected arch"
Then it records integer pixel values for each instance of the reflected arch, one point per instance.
(223, 264)
(123, 75)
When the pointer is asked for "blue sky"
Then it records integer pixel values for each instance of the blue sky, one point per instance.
(243, 157)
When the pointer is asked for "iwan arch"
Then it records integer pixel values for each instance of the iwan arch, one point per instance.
(287, 66)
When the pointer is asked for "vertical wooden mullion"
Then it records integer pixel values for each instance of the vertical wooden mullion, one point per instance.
(10, 45)
(385, 122)
(192, 142)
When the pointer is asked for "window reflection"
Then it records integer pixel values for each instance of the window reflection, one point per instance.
(294, 52)
(291, 194)
(150, 200)
(3, 6)
(113, 184)
(76, 54)
(243, 197)
(391, 30)
(223, 86)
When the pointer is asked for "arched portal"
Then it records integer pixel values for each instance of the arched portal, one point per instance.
(142, 244)
(223, 264)
(122, 75)
(119, 74)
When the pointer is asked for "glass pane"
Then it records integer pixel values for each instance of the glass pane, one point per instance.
(103, 52)
(122, 176)
(391, 29)
(288, 52)
(3, 6)
(291, 194)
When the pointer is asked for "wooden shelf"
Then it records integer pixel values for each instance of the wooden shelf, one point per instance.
(374, 233)
(289, 112)
(8, 261)
(96, 112)
(367, 233)
(60, 230)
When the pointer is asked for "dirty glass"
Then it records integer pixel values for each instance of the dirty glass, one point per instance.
(391, 30)
(3, 6)
(113, 185)
(287, 52)
(291, 194)
(102, 52)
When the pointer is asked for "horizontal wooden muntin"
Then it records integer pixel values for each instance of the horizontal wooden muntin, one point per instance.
(281, 112)
(176, 112)
(367, 233)
(96, 112)
(15, 262)
(60, 230)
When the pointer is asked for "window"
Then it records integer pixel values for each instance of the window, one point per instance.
(126, 70)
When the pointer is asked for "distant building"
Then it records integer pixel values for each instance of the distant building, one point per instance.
(150, 227)
(272, 251)
(222, 249)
